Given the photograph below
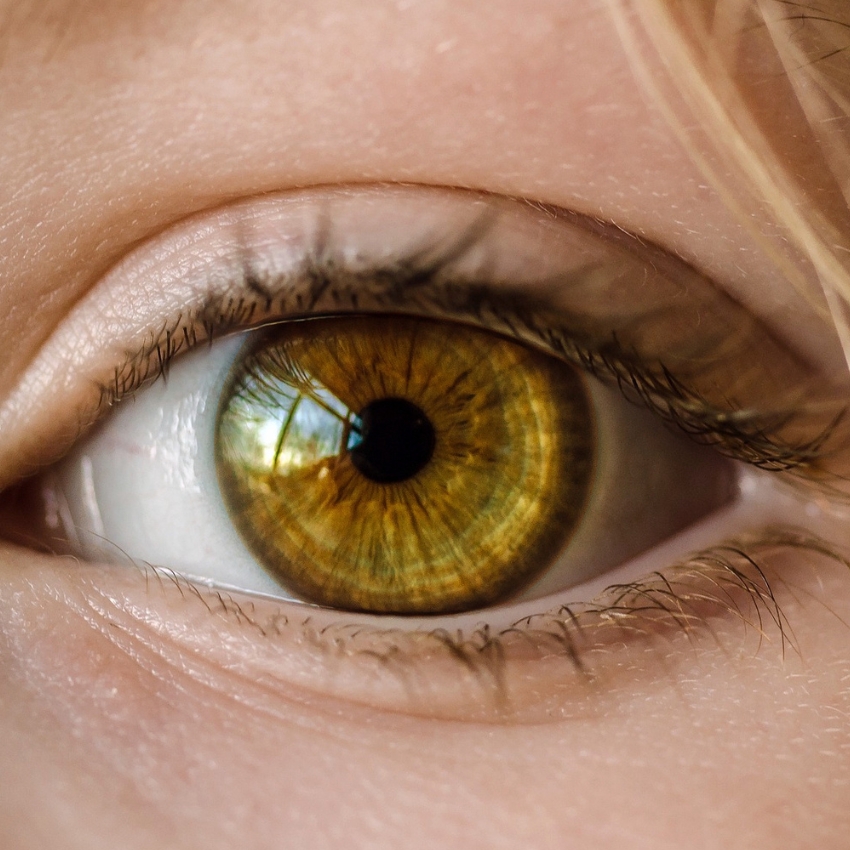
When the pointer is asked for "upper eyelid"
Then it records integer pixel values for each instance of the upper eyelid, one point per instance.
(76, 345)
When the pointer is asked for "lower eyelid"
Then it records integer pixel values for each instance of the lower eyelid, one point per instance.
(554, 669)
(568, 662)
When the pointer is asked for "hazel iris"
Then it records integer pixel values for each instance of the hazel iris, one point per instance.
(403, 465)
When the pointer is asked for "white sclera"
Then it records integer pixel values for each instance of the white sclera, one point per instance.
(144, 486)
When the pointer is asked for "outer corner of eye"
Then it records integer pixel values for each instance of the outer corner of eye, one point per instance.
(383, 465)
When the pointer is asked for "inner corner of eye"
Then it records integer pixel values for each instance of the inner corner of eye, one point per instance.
(415, 466)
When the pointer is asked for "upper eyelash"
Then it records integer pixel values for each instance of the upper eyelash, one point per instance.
(419, 282)
(746, 435)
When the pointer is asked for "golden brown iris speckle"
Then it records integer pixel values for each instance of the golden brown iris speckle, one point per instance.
(497, 500)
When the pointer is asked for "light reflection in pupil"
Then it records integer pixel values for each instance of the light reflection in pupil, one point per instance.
(390, 440)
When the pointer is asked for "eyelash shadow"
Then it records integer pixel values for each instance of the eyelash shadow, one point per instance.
(421, 284)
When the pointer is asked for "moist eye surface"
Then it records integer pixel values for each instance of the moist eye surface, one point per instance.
(160, 478)
(403, 465)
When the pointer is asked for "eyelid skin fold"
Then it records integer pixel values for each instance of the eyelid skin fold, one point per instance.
(582, 290)
(626, 311)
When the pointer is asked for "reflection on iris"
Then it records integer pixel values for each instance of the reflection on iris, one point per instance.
(403, 465)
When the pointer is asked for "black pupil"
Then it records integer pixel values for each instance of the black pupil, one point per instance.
(390, 440)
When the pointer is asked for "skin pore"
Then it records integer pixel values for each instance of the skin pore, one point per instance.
(132, 719)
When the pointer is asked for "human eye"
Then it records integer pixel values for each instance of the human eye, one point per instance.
(685, 687)
(284, 305)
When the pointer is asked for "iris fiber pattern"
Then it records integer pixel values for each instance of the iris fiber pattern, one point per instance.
(403, 465)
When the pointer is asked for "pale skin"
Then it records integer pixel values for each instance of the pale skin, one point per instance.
(165, 729)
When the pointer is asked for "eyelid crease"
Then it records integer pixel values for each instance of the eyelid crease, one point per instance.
(430, 278)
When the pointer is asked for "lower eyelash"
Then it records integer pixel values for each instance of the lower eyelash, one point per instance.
(690, 598)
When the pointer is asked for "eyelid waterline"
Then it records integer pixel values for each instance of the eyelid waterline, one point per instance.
(760, 502)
